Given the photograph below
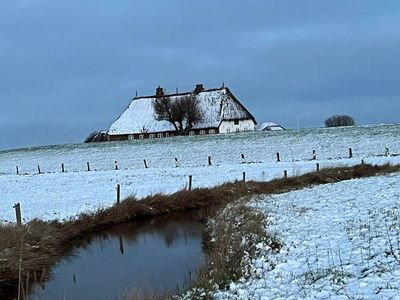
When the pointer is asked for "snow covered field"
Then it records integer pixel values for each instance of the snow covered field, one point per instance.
(56, 195)
(340, 241)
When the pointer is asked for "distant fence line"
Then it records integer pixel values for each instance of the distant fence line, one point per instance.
(208, 162)
(189, 186)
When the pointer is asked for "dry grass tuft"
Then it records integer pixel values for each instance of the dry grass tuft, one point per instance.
(234, 234)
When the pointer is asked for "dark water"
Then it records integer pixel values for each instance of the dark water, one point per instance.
(155, 256)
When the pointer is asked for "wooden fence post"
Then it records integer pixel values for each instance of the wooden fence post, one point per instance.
(387, 152)
(145, 164)
(62, 168)
(317, 167)
(243, 159)
(244, 176)
(116, 165)
(314, 154)
(350, 153)
(190, 182)
(285, 173)
(18, 214)
(38, 168)
(118, 193)
(88, 166)
(176, 163)
(209, 161)
(17, 170)
(278, 157)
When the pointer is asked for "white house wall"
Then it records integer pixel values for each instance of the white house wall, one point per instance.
(243, 125)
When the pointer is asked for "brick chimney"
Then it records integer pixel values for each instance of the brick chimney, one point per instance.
(159, 92)
(199, 88)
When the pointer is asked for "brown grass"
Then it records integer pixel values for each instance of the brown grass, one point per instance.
(44, 243)
(233, 236)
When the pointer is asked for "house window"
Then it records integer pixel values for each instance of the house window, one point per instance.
(191, 133)
(228, 130)
(152, 136)
(202, 132)
(166, 134)
(159, 135)
(130, 137)
(141, 136)
(236, 122)
(211, 131)
(237, 129)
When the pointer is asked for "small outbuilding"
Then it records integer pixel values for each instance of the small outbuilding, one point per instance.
(269, 126)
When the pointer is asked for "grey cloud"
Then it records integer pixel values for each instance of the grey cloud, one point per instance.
(68, 68)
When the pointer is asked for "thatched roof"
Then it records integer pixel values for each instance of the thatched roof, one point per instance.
(217, 105)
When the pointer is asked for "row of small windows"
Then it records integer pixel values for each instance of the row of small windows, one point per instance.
(228, 130)
(153, 135)
(161, 135)
(202, 132)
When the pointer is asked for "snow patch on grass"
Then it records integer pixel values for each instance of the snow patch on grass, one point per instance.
(340, 240)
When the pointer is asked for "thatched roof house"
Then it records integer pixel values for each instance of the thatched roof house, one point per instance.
(223, 113)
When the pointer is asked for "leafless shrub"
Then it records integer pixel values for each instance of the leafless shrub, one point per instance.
(182, 112)
(91, 136)
(96, 136)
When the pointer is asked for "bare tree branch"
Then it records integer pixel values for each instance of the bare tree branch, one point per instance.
(182, 112)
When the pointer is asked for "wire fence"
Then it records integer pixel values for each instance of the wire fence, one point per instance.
(178, 163)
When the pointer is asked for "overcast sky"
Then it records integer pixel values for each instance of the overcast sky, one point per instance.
(71, 67)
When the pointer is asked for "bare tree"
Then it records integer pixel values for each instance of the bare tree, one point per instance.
(96, 136)
(91, 136)
(339, 120)
(182, 112)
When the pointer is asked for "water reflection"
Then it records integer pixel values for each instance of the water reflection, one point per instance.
(156, 255)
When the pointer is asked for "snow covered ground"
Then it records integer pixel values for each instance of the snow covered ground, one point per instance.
(57, 195)
(340, 241)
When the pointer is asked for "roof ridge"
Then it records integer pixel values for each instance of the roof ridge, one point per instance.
(179, 94)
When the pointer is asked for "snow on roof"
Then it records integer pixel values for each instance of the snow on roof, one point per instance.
(216, 104)
(269, 126)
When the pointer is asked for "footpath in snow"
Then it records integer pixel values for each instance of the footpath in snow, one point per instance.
(340, 241)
